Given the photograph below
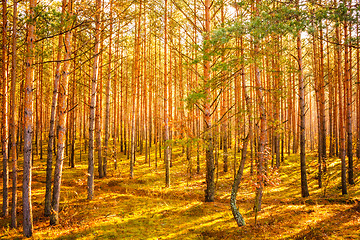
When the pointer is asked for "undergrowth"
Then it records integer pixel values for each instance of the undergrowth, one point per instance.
(142, 208)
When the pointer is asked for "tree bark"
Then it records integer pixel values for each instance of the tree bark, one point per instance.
(63, 97)
(304, 186)
(235, 211)
(94, 80)
(166, 103)
(209, 141)
(263, 126)
(358, 91)
(107, 110)
(99, 102)
(13, 157)
(5, 126)
(28, 119)
(47, 210)
(322, 134)
(348, 101)
(318, 90)
(135, 85)
(73, 113)
(341, 115)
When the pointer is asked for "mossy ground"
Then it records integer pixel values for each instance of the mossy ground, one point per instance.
(142, 208)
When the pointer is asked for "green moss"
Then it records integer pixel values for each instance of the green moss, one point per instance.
(142, 208)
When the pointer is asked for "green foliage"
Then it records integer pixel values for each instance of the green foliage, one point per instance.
(271, 20)
(194, 97)
(283, 19)
(220, 36)
(48, 20)
(188, 141)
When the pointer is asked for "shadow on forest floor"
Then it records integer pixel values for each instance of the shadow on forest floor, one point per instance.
(142, 208)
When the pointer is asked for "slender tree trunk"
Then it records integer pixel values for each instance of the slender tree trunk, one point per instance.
(28, 119)
(322, 134)
(341, 115)
(63, 100)
(116, 100)
(107, 110)
(196, 80)
(74, 108)
(135, 85)
(197, 144)
(289, 113)
(41, 75)
(99, 102)
(37, 108)
(235, 211)
(145, 88)
(336, 90)
(94, 80)
(170, 93)
(151, 90)
(263, 126)
(348, 105)
(5, 126)
(318, 93)
(277, 103)
(293, 124)
(331, 98)
(13, 157)
(304, 186)
(47, 210)
(358, 90)
(209, 141)
(122, 109)
(166, 103)
(224, 130)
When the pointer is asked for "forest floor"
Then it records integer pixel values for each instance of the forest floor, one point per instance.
(142, 208)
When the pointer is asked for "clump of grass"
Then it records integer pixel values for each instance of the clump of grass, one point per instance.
(142, 208)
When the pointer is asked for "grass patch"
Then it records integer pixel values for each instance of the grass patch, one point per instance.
(142, 208)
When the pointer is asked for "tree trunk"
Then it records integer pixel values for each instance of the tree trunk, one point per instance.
(166, 104)
(348, 101)
(135, 85)
(107, 110)
(293, 124)
(209, 141)
(5, 126)
(28, 119)
(98, 111)
(318, 94)
(263, 126)
(331, 99)
(41, 75)
(235, 187)
(304, 186)
(94, 80)
(341, 115)
(74, 109)
(235, 211)
(63, 97)
(13, 157)
(358, 91)
(322, 134)
(47, 210)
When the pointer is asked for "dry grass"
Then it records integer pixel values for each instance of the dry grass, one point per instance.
(141, 208)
